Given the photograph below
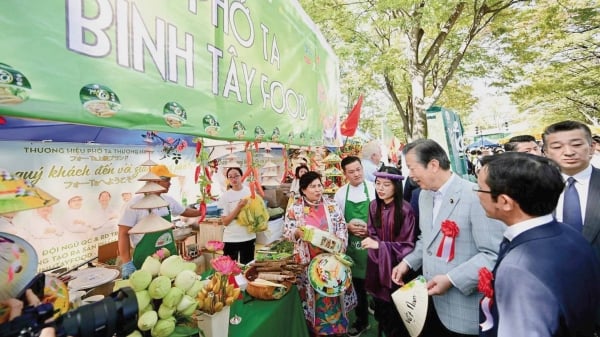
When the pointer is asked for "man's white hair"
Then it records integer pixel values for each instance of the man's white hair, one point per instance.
(369, 149)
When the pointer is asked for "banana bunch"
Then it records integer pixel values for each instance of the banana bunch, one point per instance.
(216, 294)
(164, 293)
(254, 215)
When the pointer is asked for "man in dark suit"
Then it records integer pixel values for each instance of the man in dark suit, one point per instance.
(546, 281)
(570, 145)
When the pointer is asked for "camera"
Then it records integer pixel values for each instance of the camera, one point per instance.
(115, 315)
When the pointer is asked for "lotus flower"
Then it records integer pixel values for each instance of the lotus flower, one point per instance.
(219, 292)
(213, 246)
(225, 265)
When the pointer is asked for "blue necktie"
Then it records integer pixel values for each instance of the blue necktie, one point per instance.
(571, 206)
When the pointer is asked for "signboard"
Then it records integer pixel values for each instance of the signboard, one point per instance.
(233, 70)
(92, 183)
(444, 126)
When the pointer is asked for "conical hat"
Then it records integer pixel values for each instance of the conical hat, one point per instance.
(148, 162)
(150, 201)
(411, 302)
(150, 187)
(150, 224)
(17, 194)
(149, 177)
(18, 265)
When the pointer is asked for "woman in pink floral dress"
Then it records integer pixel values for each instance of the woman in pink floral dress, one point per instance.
(324, 315)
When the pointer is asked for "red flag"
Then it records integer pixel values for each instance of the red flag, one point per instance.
(349, 126)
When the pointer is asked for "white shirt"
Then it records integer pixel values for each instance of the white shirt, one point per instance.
(355, 194)
(438, 196)
(515, 230)
(132, 216)
(234, 232)
(369, 168)
(582, 185)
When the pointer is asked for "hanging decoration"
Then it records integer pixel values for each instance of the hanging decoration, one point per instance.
(252, 171)
(203, 177)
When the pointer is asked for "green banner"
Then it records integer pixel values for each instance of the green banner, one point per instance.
(232, 70)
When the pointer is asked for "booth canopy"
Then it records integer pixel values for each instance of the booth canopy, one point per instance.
(482, 142)
(230, 70)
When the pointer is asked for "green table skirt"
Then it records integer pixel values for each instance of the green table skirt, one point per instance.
(283, 317)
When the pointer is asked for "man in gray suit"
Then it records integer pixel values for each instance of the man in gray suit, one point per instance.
(570, 145)
(457, 239)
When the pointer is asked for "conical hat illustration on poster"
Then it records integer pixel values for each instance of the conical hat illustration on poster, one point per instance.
(411, 303)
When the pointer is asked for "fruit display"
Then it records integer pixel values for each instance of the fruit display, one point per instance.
(218, 292)
(165, 292)
(254, 215)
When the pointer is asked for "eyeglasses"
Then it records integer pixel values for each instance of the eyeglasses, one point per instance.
(477, 189)
(234, 177)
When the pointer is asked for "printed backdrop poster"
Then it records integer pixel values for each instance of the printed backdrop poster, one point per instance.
(92, 183)
(234, 70)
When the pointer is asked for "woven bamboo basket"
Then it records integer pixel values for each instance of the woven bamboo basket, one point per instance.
(265, 292)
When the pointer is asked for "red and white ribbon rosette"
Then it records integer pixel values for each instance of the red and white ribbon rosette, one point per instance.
(446, 248)
(487, 289)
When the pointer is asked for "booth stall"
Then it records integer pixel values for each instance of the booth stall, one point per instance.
(87, 86)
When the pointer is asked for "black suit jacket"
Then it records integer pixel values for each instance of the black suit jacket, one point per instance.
(591, 223)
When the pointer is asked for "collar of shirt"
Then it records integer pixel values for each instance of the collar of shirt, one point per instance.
(444, 188)
(520, 227)
(582, 177)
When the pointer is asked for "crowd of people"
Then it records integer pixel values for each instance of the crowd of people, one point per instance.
(525, 238)
(525, 257)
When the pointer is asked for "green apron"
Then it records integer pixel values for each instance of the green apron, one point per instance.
(357, 210)
(151, 242)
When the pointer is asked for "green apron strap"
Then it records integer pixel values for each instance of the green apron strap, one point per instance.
(357, 210)
(151, 242)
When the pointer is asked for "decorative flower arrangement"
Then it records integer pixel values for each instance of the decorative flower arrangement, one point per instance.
(446, 248)
(214, 246)
(218, 292)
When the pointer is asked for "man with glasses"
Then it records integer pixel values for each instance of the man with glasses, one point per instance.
(456, 240)
(546, 281)
(147, 244)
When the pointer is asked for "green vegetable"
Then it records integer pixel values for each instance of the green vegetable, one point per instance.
(172, 266)
(195, 289)
(185, 279)
(159, 287)
(152, 265)
(190, 310)
(173, 297)
(188, 265)
(140, 279)
(135, 333)
(143, 299)
(165, 311)
(148, 320)
(163, 328)
(185, 303)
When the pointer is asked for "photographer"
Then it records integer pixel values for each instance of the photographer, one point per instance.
(15, 307)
